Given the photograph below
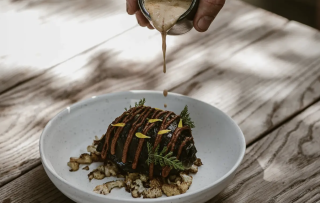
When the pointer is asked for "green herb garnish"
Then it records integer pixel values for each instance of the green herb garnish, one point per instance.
(185, 116)
(161, 159)
(140, 103)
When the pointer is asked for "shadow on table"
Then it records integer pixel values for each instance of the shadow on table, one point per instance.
(105, 70)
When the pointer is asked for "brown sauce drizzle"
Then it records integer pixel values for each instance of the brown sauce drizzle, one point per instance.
(182, 145)
(110, 129)
(175, 136)
(134, 164)
(165, 93)
(166, 170)
(159, 136)
(165, 120)
(130, 135)
(151, 171)
(164, 49)
(119, 130)
(141, 141)
(156, 114)
(170, 121)
(139, 148)
(107, 135)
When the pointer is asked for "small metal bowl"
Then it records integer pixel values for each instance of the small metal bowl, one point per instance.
(185, 22)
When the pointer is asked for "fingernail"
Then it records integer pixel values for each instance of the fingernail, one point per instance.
(205, 22)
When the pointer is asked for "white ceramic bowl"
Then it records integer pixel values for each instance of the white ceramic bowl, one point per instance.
(219, 141)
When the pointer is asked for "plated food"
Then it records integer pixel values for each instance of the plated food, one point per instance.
(150, 150)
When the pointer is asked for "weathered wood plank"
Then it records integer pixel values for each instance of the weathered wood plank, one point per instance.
(34, 186)
(283, 166)
(36, 35)
(266, 83)
(130, 61)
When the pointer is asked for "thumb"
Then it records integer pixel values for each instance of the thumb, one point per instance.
(207, 11)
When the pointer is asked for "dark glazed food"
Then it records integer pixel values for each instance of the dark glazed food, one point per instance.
(139, 147)
(126, 141)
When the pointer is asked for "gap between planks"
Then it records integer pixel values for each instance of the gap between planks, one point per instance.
(285, 121)
(221, 27)
(276, 84)
(72, 57)
(38, 162)
(281, 149)
(281, 167)
(57, 31)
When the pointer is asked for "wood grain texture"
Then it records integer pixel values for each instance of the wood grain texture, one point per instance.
(34, 186)
(119, 64)
(263, 85)
(37, 35)
(282, 167)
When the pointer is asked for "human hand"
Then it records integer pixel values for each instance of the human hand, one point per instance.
(207, 11)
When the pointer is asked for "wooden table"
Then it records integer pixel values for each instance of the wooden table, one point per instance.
(259, 68)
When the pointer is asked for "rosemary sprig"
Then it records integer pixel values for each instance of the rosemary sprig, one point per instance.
(161, 159)
(140, 103)
(185, 116)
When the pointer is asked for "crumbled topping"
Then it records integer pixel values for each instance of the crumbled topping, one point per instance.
(128, 183)
(83, 159)
(137, 188)
(92, 149)
(156, 182)
(193, 169)
(74, 166)
(96, 157)
(101, 189)
(144, 178)
(108, 186)
(186, 178)
(133, 176)
(107, 170)
(152, 193)
(96, 174)
(170, 190)
(178, 187)
(111, 169)
(137, 184)
(183, 187)
(198, 162)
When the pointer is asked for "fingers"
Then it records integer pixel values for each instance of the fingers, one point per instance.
(150, 26)
(142, 21)
(207, 11)
(132, 6)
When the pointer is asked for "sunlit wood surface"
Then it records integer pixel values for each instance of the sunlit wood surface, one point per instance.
(259, 68)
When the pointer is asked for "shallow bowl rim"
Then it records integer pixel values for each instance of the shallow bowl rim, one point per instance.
(45, 160)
